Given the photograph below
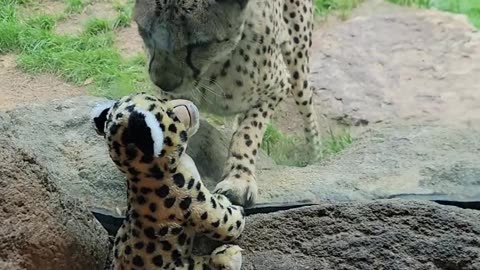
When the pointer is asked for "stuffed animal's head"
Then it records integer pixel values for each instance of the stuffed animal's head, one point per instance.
(141, 129)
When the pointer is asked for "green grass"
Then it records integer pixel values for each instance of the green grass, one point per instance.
(471, 8)
(340, 7)
(124, 17)
(75, 6)
(90, 57)
(291, 151)
(335, 143)
(96, 26)
(43, 22)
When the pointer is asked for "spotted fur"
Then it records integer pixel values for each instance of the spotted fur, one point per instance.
(233, 57)
(167, 202)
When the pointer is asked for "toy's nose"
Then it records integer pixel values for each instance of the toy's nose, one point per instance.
(188, 114)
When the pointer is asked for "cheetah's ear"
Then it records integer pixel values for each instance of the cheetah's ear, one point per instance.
(99, 116)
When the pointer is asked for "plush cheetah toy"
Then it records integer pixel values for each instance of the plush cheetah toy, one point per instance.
(167, 202)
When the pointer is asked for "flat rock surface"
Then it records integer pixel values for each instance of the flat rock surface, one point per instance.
(384, 161)
(393, 235)
(389, 63)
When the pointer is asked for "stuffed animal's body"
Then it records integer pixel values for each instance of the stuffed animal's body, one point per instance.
(167, 202)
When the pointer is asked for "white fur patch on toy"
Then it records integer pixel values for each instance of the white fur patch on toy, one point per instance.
(97, 111)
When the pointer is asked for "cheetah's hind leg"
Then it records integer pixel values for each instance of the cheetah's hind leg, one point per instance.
(296, 53)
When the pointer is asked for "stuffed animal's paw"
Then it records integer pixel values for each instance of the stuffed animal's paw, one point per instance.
(228, 257)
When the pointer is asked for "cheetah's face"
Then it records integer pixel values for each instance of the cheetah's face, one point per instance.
(141, 129)
(183, 37)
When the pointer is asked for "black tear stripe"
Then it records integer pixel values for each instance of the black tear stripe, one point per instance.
(158, 8)
(152, 58)
(191, 47)
(196, 71)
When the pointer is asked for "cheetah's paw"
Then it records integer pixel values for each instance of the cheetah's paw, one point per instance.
(228, 257)
(239, 191)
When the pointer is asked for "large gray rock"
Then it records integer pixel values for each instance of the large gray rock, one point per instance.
(60, 135)
(42, 226)
(383, 161)
(62, 139)
(394, 235)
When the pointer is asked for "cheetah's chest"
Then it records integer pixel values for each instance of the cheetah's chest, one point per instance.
(236, 85)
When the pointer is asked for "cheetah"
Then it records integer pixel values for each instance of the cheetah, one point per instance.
(167, 202)
(233, 57)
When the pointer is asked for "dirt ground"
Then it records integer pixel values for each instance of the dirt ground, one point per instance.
(18, 88)
(75, 23)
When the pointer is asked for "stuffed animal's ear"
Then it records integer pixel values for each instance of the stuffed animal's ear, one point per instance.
(188, 114)
(99, 116)
(144, 132)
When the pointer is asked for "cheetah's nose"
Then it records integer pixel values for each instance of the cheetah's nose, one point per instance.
(166, 82)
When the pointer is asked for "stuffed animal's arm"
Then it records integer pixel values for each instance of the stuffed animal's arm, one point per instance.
(189, 165)
(213, 214)
(217, 218)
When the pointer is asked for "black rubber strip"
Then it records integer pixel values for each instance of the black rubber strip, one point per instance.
(109, 221)
(112, 222)
(464, 205)
(443, 199)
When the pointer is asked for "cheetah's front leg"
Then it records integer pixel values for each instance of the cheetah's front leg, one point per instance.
(239, 183)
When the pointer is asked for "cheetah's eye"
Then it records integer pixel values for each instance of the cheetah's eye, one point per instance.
(242, 3)
(208, 43)
(201, 44)
(143, 32)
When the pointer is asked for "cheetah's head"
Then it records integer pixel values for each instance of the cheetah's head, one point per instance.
(184, 37)
(141, 129)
